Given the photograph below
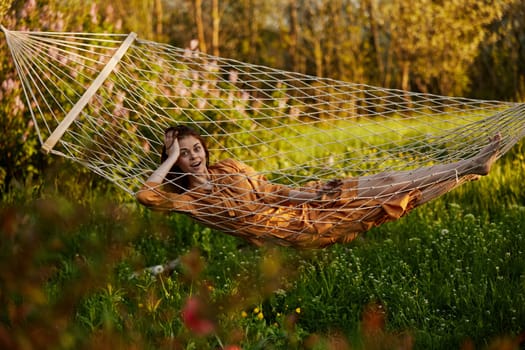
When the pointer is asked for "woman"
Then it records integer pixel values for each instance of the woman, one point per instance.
(230, 196)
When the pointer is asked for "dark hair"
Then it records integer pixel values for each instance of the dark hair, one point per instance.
(176, 176)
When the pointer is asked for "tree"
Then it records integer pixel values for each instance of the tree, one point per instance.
(499, 70)
(199, 24)
(4, 7)
(435, 42)
(327, 38)
(122, 16)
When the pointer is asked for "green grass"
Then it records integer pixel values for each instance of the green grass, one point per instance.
(449, 275)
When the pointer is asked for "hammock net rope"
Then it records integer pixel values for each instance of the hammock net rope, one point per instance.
(104, 100)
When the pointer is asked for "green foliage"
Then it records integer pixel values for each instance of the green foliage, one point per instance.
(20, 161)
(450, 273)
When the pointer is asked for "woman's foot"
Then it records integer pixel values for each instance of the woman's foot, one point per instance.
(486, 157)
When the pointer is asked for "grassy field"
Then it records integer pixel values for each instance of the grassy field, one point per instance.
(451, 275)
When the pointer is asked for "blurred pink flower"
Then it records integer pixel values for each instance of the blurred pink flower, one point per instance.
(234, 76)
(194, 44)
(93, 13)
(195, 319)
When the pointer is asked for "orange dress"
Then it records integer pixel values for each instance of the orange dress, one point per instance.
(243, 203)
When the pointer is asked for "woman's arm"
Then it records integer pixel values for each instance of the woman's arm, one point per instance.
(173, 151)
(159, 175)
(155, 198)
(299, 197)
(273, 193)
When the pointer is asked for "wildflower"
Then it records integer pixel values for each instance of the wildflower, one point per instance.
(194, 44)
(153, 303)
(194, 317)
(256, 310)
(469, 217)
(298, 310)
(244, 314)
(260, 315)
(234, 76)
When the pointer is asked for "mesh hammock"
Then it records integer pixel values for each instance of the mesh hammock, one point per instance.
(104, 100)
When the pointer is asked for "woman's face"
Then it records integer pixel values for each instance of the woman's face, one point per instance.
(192, 158)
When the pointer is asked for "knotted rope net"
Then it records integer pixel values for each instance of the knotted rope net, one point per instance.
(104, 100)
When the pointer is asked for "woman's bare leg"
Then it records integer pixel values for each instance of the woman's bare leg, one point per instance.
(387, 183)
(429, 193)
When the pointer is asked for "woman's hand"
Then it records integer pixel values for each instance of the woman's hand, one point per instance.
(173, 151)
(330, 187)
(171, 143)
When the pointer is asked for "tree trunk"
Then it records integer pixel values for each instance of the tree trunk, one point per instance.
(405, 80)
(375, 38)
(197, 8)
(216, 20)
(318, 55)
(159, 19)
(294, 32)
